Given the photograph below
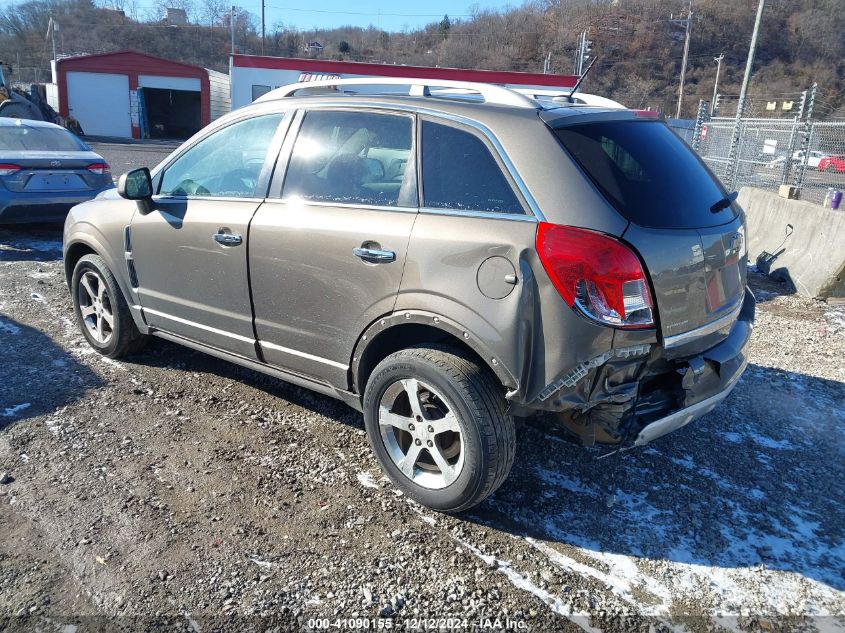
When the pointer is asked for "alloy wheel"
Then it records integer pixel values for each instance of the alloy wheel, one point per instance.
(95, 306)
(421, 433)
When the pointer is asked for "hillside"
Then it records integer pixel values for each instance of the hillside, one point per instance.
(639, 48)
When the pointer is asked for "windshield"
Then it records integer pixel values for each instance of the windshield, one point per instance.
(648, 173)
(39, 139)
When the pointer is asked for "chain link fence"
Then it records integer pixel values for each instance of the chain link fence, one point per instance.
(767, 152)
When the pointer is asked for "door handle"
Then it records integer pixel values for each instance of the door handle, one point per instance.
(374, 255)
(227, 239)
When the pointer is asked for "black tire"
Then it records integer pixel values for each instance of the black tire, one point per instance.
(476, 398)
(125, 338)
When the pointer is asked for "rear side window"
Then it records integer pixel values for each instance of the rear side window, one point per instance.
(353, 158)
(459, 172)
(649, 174)
(41, 139)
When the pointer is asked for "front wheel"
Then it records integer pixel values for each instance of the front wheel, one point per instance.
(101, 311)
(436, 421)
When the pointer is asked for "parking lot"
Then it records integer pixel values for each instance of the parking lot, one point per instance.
(182, 492)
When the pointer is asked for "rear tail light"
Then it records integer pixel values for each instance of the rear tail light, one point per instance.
(99, 168)
(7, 169)
(596, 274)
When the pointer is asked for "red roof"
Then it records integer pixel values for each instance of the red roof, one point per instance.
(127, 58)
(392, 70)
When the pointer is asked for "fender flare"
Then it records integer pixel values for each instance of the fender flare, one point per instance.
(448, 326)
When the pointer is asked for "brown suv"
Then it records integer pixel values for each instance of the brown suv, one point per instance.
(443, 259)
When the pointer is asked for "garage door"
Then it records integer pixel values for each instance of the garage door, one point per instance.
(100, 102)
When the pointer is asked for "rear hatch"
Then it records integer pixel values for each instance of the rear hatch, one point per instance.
(38, 157)
(688, 232)
(53, 171)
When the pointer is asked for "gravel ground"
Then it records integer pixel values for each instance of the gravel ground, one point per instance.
(175, 491)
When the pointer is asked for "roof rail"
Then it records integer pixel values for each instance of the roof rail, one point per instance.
(491, 93)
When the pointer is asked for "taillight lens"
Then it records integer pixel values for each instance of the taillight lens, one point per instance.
(7, 169)
(596, 274)
(99, 168)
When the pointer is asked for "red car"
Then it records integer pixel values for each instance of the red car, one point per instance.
(832, 163)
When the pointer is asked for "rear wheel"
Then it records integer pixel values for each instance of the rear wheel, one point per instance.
(101, 311)
(437, 424)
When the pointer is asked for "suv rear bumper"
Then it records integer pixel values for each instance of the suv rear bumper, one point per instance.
(725, 363)
(676, 420)
(633, 395)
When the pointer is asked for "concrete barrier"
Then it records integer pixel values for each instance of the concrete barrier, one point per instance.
(798, 241)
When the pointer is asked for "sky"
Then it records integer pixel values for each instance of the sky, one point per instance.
(390, 16)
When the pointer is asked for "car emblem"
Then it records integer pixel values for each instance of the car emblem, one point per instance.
(55, 163)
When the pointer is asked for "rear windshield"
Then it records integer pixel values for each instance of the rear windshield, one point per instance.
(647, 172)
(39, 139)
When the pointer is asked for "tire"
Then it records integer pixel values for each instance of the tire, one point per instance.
(462, 405)
(121, 337)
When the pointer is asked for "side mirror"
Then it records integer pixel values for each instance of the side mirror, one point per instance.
(137, 185)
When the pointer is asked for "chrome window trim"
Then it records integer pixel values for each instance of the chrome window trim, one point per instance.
(199, 326)
(293, 352)
(166, 198)
(502, 155)
(676, 340)
(491, 215)
(344, 205)
(456, 118)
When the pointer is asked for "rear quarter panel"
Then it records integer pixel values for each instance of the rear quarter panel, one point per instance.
(531, 332)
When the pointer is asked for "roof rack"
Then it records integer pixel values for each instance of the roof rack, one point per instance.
(491, 93)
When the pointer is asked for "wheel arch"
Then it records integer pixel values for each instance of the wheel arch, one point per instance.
(78, 247)
(73, 253)
(407, 328)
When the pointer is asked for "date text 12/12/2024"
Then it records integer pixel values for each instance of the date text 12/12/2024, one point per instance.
(416, 624)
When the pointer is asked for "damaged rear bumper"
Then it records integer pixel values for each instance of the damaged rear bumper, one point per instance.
(676, 420)
(635, 394)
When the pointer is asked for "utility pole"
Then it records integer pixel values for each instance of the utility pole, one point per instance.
(740, 106)
(52, 25)
(262, 27)
(232, 27)
(746, 79)
(718, 61)
(684, 62)
(584, 47)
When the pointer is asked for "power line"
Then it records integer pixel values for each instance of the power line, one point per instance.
(382, 13)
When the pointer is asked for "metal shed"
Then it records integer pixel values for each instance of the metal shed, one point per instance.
(131, 94)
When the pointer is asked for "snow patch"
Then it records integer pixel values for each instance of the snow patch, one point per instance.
(366, 480)
(557, 481)
(555, 603)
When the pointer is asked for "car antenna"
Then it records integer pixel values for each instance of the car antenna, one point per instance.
(581, 78)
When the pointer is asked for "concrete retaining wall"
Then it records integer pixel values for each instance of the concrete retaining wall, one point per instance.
(811, 254)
